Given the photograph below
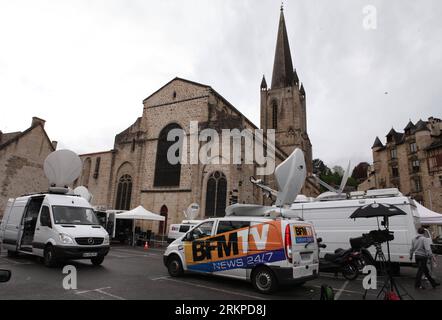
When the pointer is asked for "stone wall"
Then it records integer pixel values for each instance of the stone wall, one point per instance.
(21, 165)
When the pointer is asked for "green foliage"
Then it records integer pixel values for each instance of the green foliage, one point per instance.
(332, 177)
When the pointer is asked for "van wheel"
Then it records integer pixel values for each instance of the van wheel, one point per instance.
(12, 254)
(174, 266)
(264, 280)
(49, 258)
(97, 261)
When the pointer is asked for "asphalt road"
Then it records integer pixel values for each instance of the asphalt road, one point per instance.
(132, 273)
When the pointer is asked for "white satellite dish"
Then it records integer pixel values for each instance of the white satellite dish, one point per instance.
(62, 167)
(192, 211)
(83, 192)
(290, 176)
(345, 178)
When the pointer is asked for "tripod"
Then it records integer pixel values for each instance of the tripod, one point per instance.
(390, 284)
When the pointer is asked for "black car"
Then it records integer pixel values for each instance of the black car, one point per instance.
(436, 247)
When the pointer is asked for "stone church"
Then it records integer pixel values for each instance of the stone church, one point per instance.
(136, 170)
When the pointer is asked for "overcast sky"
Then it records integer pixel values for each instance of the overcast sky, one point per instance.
(86, 66)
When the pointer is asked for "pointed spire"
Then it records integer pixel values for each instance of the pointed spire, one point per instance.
(421, 126)
(282, 65)
(263, 83)
(409, 126)
(295, 77)
(377, 143)
(302, 90)
(392, 132)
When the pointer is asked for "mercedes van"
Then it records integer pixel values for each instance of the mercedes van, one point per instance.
(266, 251)
(55, 227)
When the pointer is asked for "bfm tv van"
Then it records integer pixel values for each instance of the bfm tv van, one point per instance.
(253, 242)
(55, 225)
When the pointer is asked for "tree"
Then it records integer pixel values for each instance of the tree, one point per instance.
(338, 170)
(319, 168)
(360, 172)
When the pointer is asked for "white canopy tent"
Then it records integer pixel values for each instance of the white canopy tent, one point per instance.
(428, 217)
(139, 213)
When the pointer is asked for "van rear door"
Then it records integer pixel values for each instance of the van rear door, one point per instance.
(301, 249)
(12, 224)
(4, 221)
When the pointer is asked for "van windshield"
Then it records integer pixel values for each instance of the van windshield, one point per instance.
(74, 215)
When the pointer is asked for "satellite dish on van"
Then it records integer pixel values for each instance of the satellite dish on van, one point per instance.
(62, 167)
(290, 176)
(345, 178)
(192, 211)
(83, 192)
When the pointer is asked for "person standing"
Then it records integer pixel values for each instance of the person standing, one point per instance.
(421, 248)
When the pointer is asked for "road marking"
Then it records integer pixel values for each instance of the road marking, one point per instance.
(110, 295)
(346, 291)
(99, 290)
(160, 278)
(340, 290)
(215, 289)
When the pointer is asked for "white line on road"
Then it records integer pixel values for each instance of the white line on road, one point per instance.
(160, 278)
(110, 294)
(215, 289)
(100, 290)
(346, 291)
(340, 290)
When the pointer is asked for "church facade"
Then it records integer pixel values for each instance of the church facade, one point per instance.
(136, 171)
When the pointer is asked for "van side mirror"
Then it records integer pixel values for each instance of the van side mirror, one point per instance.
(318, 240)
(5, 275)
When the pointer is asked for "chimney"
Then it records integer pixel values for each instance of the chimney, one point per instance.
(54, 144)
(36, 121)
(1, 136)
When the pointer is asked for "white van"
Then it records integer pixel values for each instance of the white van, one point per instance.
(177, 230)
(55, 227)
(333, 224)
(266, 251)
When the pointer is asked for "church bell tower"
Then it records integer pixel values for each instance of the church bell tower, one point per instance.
(283, 105)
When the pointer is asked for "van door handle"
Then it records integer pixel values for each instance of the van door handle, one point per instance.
(37, 229)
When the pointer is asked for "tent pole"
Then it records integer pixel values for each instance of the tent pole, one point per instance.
(164, 228)
(133, 233)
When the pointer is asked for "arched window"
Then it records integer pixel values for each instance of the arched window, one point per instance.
(86, 172)
(124, 193)
(163, 224)
(166, 174)
(274, 115)
(216, 195)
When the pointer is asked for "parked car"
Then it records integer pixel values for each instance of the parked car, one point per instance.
(178, 230)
